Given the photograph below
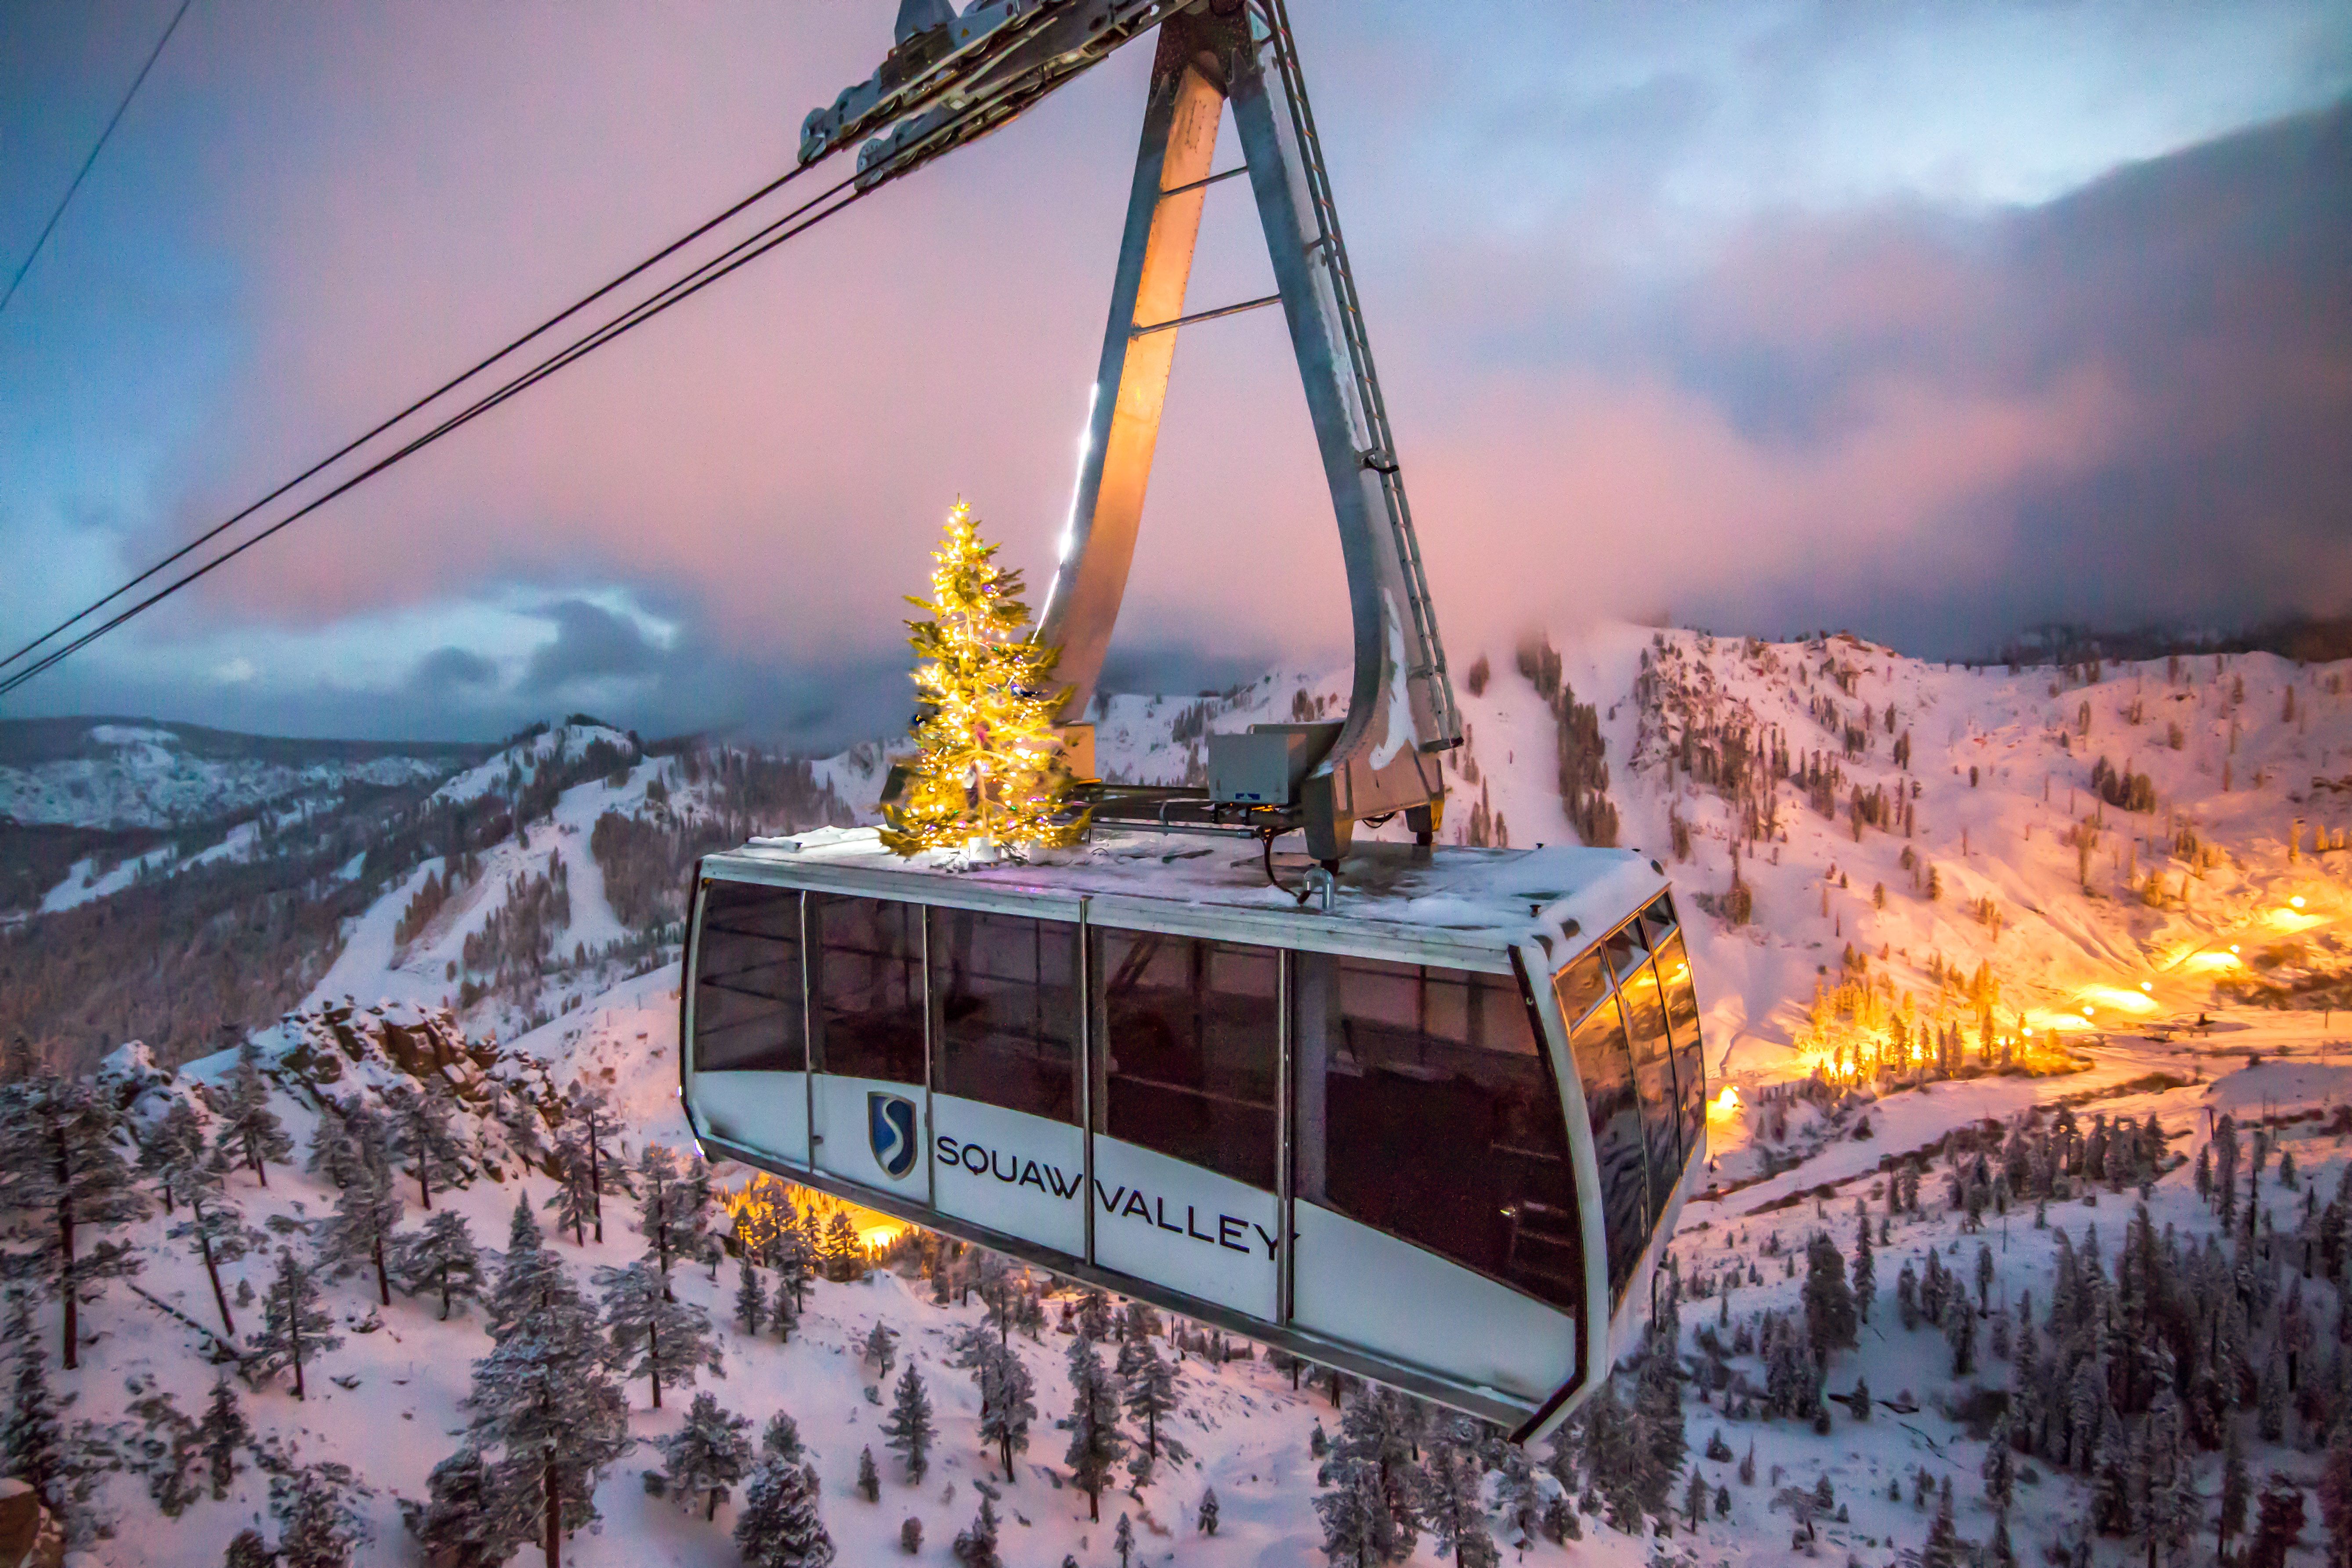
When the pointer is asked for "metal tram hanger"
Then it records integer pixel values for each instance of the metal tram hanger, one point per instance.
(978, 69)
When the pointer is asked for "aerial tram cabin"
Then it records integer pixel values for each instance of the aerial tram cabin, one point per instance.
(1435, 1135)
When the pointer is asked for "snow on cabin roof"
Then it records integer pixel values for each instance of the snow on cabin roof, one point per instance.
(1451, 904)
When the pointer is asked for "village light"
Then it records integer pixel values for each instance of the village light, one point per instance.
(2296, 901)
(2147, 985)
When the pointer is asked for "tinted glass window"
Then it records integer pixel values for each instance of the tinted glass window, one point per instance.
(1580, 985)
(1008, 1011)
(1427, 1110)
(869, 987)
(1606, 1066)
(1657, 919)
(1191, 1046)
(1625, 949)
(746, 980)
(1654, 1076)
(1682, 1020)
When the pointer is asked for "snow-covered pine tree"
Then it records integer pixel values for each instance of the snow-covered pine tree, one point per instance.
(1094, 1314)
(544, 1401)
(295, 1329)
(422, 1135)
(2229, 1517)
(249, 1549)
(703, 1459)
(1150, 1395)
(1377, 1427)
(1961, 1335)
(1455, 1514)
(976, 1547)
(1829, 1316)
(1865, 1269)
(656, 1336)
(1356, 1529)
(784, 1311)
(171, 1149)
(1207, 1517)
(1943, 1549)
(1006, 1401)
(2278, 1522)
(1095, 1441)
(751, 1299)
(843, 1254)
(221, 1435)
(457, 1525)
(439, 1257)
(664, 1206)
(907, 1430)
(779, 1526)
(215, 1228)
(781, 1439)
(574, 1199)
(869, 1477)
(1906, 1296)
(246, 1125)
(317, 1525)
(881, 1347)
(32, 1434)
(697, 1199)
(359, 1233)
(1122, 1541)
(58, 1150)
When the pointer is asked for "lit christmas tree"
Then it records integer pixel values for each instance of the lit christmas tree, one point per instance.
(987, 772)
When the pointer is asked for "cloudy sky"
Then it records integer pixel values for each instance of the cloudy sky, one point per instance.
(1932, 321)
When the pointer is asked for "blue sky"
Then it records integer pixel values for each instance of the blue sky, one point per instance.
(1932, 321)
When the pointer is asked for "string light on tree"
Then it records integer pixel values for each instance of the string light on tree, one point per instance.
(987, 773)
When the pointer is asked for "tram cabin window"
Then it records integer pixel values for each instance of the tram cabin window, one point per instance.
(1426, 1108)
(1682, 1020)
(1580, 985)
(1654, 1077)
(1007, 991)
(1192, 1044)
(746, 980)
(868, 980)
(1604, 1063)
(1625, 949)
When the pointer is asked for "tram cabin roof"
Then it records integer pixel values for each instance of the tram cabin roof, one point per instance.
(1451, 904)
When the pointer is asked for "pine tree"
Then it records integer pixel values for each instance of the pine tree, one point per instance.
(2270, 1400)
(1151, 1394)
(843, 1254)
(2278, 1524)
(1521, 1501)
(779, 1526)
(1865, 1270)
(247, 1127)
(1960, 1333)
(1455, 1515)
(221, 1435)
(704, 1457)
(439, 1258)
(215, 1228)
(1208, 1514)
(1356, 1530)
(519, 1284)
(575, 1201)
(61, 1163)
(869, 1477)
(781, 1439)
(1943, 1547)
(907, 1430)
(248, 1549)
(456, 1525)
(1095, 1441)
(784, 1311)
(976, 1547)
(1694, 1499)
(1122, 1541)
(367, 1211)
(2336, 1487)
(1005, 1399)
(751, 1299)
(2000, 1466)
(656, 1336)
(317, 1527)
(542, 1400)
(881, 1347)
(592, 1125)
(1829, 1316)
(32, 1434)
(986, 767)
(664, 1208)
(296, 1330)
(422, 1135)
(173, 1148)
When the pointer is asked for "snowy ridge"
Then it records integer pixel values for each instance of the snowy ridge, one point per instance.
(145, 776)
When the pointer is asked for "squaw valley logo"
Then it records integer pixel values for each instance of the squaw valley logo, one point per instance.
(890, 1128)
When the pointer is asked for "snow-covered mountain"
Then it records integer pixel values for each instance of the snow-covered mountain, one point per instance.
(529, 950)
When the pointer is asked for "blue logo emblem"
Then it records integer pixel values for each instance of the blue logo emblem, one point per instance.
(890, 1128)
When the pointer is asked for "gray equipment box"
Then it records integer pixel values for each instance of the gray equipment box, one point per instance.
(1264, 766)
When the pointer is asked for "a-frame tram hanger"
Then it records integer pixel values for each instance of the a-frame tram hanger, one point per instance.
(984, 67)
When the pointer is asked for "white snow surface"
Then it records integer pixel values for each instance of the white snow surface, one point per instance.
(145, 779)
